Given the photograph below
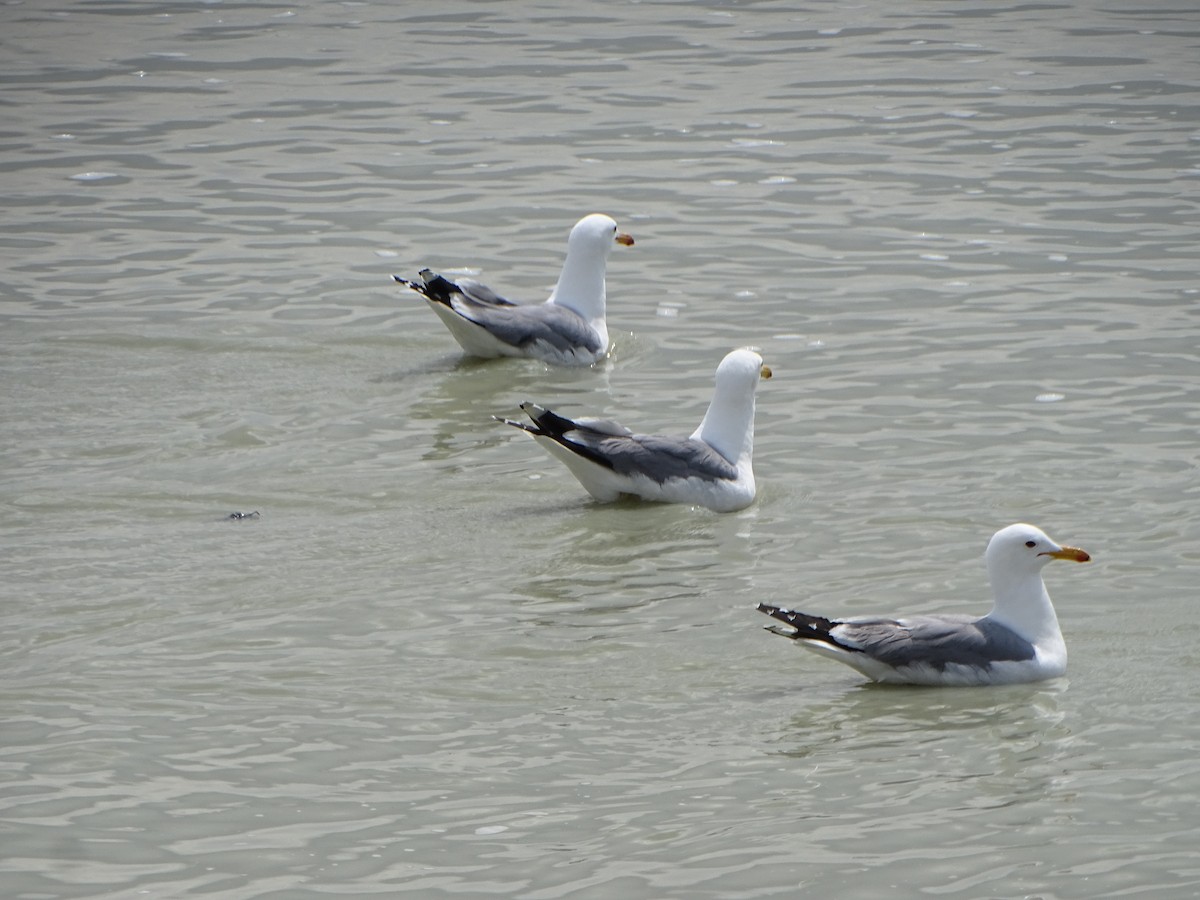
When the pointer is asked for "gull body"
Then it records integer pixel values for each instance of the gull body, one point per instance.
(1019, 640)
(568, 329)
(713, 467)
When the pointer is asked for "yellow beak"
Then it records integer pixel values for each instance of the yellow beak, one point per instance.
(1072, 553)
(765, 372)
(625, 240)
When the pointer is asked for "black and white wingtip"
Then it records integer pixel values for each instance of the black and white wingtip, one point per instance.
(546, 423)
(431, 286)
(798, 625)
(515, 424)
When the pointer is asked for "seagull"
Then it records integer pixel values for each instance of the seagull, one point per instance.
(1018, 641)
(567, 329)
(712, 468)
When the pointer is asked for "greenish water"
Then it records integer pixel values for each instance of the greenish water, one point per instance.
(962, 237)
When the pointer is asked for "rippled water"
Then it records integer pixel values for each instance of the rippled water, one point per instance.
(962, 234)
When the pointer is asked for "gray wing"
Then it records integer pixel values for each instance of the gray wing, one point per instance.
(477, 292)
(612, 445)
(936, 641)
(561, 328)
(440, 289)
(516, 324)
(657, 458)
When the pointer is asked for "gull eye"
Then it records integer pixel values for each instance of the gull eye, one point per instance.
(1031, 543)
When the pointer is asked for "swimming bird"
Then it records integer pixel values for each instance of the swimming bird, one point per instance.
(712, 468)
(1018, 641)
(568, 329)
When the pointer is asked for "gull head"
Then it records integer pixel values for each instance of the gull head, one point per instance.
(728, 426)
(742, 366)
(1024, 548)
(597, 234)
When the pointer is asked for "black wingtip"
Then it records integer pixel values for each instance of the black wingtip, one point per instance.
(777, 612)
(547, 420)
(431, 286)
(549, 424)
(515, 424)
(412, 285)
(802, 625)
(437, 287)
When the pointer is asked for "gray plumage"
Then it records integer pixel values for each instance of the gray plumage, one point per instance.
(615, 447)
(661, 458)
(934, 641)
(519, 325)
(525, 326)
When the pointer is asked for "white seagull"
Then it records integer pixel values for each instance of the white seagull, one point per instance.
(712, 468)
(567, 329)
(1018, 641)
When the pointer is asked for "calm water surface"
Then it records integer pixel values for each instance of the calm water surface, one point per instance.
(964, 236)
